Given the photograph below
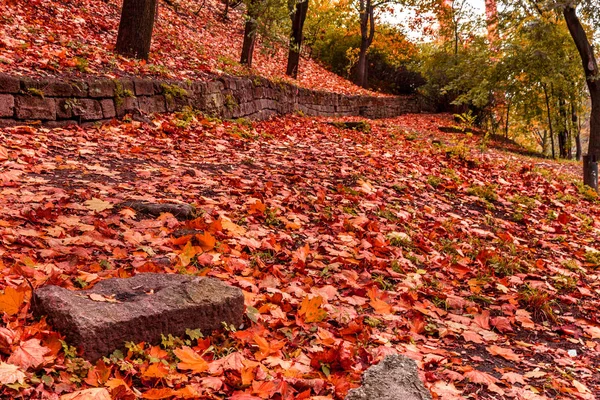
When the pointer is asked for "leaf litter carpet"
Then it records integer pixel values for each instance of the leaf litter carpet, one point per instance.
(480, 264)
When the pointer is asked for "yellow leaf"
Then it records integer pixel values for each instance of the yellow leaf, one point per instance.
(10, 374)
(231, 227)
(311, 310)
(190, 360)
(11, 300)
(98, 205)
(188, 253)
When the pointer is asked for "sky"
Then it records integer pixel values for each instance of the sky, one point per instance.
(402, 15)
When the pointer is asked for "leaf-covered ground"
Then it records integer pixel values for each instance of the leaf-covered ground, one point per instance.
(74, 37)
(481, 265)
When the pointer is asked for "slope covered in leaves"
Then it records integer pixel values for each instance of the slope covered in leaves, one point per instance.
(483, 266)
(69, 37)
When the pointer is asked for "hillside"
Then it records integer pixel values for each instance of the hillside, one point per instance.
(69, 37)
(482, 265)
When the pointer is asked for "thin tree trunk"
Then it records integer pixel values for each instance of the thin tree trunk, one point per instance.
(549, 120)
(367, 31)
(507, 121)
(226, 11)
(135, 28)
(250, 29)
(577, 130)
(592, 74)
(298, 17)
(562, 132)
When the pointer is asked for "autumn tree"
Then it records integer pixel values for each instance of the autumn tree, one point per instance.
(135, 28)
(264, 17)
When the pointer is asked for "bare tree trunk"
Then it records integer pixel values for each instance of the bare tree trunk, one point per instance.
(367, 31)
(549, 120)
(298, 17)
(249, 35)
(562, 131)
(135, 28)
(507, 121)
(592, 74)
(575, 121)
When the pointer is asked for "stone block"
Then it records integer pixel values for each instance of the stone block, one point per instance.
(7, 105)
(144, 87)
(142, 309)
(88, 110)
(52, 87)
(108, 108)
(101, 88)
(125, 105)
(394, 378)
(64, 108)
(9, 84)
(34, 108)
(152, 104)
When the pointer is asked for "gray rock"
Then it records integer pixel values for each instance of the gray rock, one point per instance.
(145, 307)
(179, 211)
(394, 378)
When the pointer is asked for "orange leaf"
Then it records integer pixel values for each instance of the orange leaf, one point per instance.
(190, 360)
(377, 303)
(503, 352)
(257, 208)
(12, 299)
(471, 336)
(206, 241)
(156, 370)
(157, 394)
(311, 310)
(476, 376)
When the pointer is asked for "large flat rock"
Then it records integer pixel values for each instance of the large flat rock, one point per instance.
(394, 378)
(147, 306)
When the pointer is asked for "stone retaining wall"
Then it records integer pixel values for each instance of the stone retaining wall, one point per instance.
(60, 102)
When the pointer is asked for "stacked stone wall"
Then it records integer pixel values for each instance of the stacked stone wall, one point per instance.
(60, 102)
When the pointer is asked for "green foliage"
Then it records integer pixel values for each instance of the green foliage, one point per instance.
(35, 92)
(172, 92)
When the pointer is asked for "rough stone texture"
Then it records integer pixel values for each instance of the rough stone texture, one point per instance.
(88, 110)
(148, 306)
(394, 378)
(33, 107)
(108, 108)
(7, 105)
(101, 88)
(224, 96)
(9, 84)
(179, 211)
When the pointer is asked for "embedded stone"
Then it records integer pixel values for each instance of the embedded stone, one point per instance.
(102, 88)
(138, 309)
(179, 211)
(394, 378)
(33, 107)
(7, 105)
(9, 84)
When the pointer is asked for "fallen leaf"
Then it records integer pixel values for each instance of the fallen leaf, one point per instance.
(190, 360)
(98, 205)
(10, 374)
(12, 300)
(88, 394)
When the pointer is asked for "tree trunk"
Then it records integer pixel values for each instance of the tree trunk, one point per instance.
(226, 11)
(549, 120)
(249, 35)
(135, 28)
(563, 151)
(367, 31)
(590, 67)
(507, 119)
(575, 121)
(298, 17)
